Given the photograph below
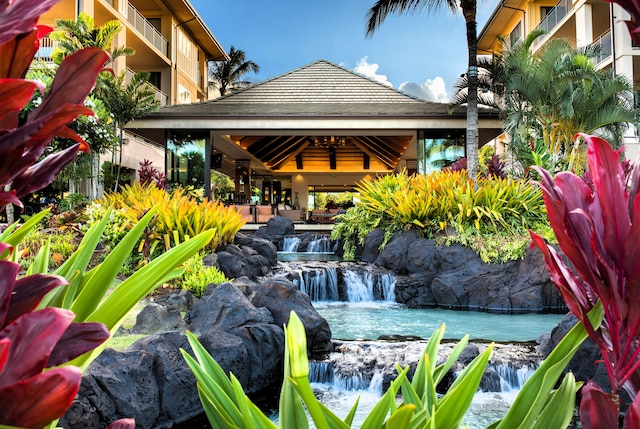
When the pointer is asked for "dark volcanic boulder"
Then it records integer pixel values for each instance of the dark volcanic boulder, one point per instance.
(263, 246)
(394, 254)
(280, 300)
(155, 318)
(226, 308)
(276, 227)
(371, 248)
(236, 262)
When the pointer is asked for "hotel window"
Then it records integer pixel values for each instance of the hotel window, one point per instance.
(544, 11)
(184, 95)
(516, 34)
(438, 149)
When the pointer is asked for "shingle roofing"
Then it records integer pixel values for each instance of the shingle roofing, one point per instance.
(319, 88)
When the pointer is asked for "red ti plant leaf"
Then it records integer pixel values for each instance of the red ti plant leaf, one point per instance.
(39, 400)
(599, 232)
(632, 416)
(28, 292)
(597, 408)
(123, 424)
(633, 25)
(20, 16)
(8, 273)
(16, 53)
(78, 339)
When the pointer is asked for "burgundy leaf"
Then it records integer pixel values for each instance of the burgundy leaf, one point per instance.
(4, 352)
(123, 424)
(8, 272)
(29, 291)
(33, 337)
(610, 189)
(20, 16)
(9, 197)
(14, 93)
(16, 55)
(39, 400)
(41, 174)
(632, 416)
(597, 409)
(78, 339)
(74, 79)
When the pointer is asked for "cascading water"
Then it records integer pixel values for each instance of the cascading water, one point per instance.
(512, 379)
(290, 244)
(320, 245)
(365, 286)
(320, 284)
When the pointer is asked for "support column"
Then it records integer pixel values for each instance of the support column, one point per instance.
(242, 180)
(584, 26)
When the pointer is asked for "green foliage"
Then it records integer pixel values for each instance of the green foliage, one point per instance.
(179, 217)
(537, 405)
(197, 276)
(60, 244)
(445, 202)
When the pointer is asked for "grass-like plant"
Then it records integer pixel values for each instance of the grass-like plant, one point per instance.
(538, 404)
(197, 276)
(179, 216)
(442, 201)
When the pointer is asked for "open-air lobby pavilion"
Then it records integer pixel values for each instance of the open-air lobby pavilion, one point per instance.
(318, 128)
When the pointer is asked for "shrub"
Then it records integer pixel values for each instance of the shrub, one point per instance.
(443, 201)
(197, 276)
(179, 216)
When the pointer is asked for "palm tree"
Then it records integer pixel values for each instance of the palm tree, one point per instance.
(557, 92)
(227, 74)
(73, 35)
(383, 8)
(127, 101)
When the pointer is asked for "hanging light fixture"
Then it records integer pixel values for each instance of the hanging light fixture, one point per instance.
(329, 142)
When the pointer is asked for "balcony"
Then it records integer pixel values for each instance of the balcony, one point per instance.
(45, 51)
(160, 96)
(148, 31)
(553, 18)
(605, 48)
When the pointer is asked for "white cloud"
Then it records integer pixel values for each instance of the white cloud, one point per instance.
(431, 90)
(370, 71)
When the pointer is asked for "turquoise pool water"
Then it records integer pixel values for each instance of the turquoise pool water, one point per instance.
(370, 320)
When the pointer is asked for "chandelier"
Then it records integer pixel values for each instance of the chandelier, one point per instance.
(329, 142)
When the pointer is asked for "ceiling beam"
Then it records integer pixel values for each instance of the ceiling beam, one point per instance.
(294, 154)
(363, 147)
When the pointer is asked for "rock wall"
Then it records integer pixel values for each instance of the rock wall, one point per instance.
(430, 275)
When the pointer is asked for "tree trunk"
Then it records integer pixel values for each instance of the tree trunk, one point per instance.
(115, 187)
(469, 11)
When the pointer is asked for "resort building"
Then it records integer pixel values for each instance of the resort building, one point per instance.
(582, 22)
(171, 42)
(318, 128)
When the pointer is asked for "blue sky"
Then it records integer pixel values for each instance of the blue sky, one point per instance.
(421, 53)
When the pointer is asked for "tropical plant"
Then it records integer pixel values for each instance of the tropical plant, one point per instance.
(73, 35)
(36, 384)
(444, 201)
(23, 142)
(149, 175)
(197, 276)
(598, 231)
(126, 99)
(179, 217)
(536, 406)
(383, 8)
(227, 75)
(221, 185)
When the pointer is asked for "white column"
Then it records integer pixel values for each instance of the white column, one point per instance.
(584, 26)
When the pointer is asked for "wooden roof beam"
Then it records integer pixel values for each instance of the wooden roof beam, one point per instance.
(366, 150)
(279, 164)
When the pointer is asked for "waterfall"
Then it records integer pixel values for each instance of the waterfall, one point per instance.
(320, 284)
(512, 378)
(290, 244)
(324, 373)
(320, 245)
(366, 286)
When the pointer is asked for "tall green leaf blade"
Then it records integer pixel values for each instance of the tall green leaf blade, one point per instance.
(97, 281)
(453, 406)
(442, 370)
(401, 418)
(558, 412)
(129, 292)
(40, 264)
(534, 392)
(386, 404)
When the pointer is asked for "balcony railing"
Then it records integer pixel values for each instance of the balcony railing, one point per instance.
(552, 19)
(160, 96)
(605, 51)
(147, 30)
(45, 51)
